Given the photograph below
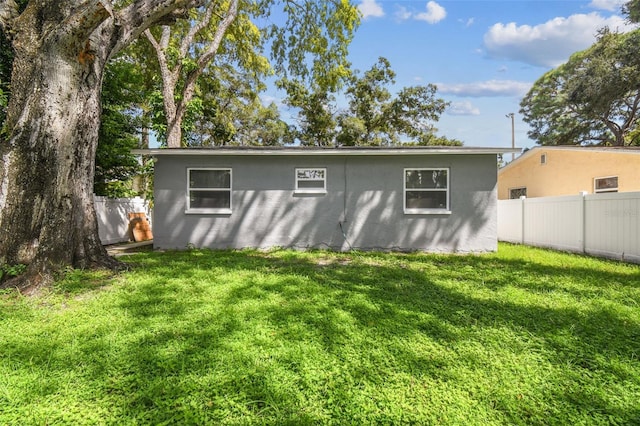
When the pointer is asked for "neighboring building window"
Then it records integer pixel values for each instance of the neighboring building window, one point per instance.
(209, 191)
(516, 193)
(426, 191)
(543, 158)
(605, 184)
(311, 181)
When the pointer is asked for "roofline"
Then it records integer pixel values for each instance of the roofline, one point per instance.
(304, 151)
(577, 148)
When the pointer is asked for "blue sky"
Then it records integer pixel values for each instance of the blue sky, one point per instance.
(483, 55)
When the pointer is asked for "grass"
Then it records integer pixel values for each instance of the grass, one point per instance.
(523, 336)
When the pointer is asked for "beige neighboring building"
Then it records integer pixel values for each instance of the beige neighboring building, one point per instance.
(546, 171)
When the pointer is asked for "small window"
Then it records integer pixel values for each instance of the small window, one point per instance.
(426, 191)
(208, 190)
(516, 193)
(605, 184)
(543, 158)
(311, 181)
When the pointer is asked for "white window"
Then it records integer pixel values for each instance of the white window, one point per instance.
(516, 193)
(426, 191)
(209, 191)
(605, 184)
(311, 181)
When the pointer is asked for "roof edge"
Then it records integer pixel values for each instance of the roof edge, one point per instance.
(575, 148)
(301, 151)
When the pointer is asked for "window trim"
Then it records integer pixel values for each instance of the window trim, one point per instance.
(196, 210)
(604, 191)
(446, 210)
(298, 190)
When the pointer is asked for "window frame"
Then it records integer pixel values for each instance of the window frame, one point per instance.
(298, 190)
(197, 210)
(446, 210)
(516, 189)
(604, 191)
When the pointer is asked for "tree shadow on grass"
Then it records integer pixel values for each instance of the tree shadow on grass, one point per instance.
(401, 301)
(325, 300)
(306, 338)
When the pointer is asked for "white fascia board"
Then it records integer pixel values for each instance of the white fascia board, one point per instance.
(322, 152)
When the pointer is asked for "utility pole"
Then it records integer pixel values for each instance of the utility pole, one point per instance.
(513, 134)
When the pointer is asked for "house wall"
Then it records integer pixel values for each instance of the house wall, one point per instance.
(364, 195)
(568, 172)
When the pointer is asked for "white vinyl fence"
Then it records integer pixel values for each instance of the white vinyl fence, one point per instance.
(113, 217)
(606, 225)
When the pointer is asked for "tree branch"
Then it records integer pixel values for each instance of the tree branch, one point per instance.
(208, 55)
(134, 19)
(86, 18)
(8, 13)
(193, 31)
(221, 30)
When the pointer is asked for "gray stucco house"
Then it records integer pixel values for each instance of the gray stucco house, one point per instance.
(439, 199)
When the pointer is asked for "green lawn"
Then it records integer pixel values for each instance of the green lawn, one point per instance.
(523, 336)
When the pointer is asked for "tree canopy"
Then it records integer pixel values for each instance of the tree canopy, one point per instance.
(593, 98)
(632, 10)
(120, 131)
(307, 38)
(374, 116)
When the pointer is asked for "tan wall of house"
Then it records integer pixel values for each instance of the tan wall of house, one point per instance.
(568, 172)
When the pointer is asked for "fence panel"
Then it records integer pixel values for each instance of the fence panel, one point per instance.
(113, 217)
(605, 225)
(612, 224)
(510, 224)
(554, 222)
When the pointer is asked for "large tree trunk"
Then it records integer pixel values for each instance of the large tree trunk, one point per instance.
(48, 219)
(47, 216)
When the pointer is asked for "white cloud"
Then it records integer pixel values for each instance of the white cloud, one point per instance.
(551, 43)
(610, 5)
(434, 14)
(402, 14)
(463, 108)
(269, 99)
(490, 88)
(467, 23)
(370, 9)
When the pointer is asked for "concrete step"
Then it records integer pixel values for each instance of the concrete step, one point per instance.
(128, 248)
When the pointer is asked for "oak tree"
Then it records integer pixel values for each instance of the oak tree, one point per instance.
(47, 217)
(593, 98)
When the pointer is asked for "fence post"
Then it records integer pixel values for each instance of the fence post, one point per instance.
(584, 220)
(522, 219)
